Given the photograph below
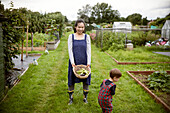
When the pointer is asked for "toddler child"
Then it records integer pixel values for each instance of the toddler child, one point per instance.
(107, 89)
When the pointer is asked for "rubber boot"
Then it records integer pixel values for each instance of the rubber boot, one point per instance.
(85, 97)
(70, 98)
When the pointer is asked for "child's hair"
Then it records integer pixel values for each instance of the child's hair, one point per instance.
(79, 21)
(115, 73)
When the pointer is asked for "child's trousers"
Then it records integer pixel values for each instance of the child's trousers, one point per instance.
(107, 111)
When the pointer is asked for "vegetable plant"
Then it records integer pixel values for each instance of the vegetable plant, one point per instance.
(159, 80)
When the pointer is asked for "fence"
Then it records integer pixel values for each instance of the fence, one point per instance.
(125, 31)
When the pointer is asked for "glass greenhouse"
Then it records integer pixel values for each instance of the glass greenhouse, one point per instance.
(122, 27)
(166, 30)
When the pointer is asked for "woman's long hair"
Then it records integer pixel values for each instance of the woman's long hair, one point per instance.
(79, 21)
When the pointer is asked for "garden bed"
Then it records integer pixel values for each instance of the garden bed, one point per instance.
(126, 63)
(52, 45)
(141, 78)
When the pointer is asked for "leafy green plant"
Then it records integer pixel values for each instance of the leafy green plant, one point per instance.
(111, 40)
(11, 36)
(115, 41)
(38, 39)
(159, 80)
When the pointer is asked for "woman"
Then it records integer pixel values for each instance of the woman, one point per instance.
(79, 47)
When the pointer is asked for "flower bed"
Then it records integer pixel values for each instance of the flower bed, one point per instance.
(141, 78)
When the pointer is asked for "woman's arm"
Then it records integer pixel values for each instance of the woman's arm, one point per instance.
(88, 50)
(70, 49)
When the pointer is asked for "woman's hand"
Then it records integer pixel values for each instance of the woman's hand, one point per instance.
(73, 65)
(88, 65)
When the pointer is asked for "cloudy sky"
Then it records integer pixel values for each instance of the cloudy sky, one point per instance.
(147, 8)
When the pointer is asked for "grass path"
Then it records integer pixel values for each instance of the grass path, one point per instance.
(43, 88)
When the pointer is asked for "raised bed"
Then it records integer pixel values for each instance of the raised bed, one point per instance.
(126, 63)
(52, 45)
(143, 84)
(34, 54)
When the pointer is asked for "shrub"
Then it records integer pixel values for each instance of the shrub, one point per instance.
(38, 39)
(140, 38)
(116, 40)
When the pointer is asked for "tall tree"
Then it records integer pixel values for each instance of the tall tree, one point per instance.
(144, 21)
(103, 13)
(1, 8)
(85, 13)
(135, 18)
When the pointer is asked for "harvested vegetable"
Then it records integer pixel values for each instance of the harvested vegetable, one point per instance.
(82, 72)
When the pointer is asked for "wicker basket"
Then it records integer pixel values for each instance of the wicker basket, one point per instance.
(78, 67)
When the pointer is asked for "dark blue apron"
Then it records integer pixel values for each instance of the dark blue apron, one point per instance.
(80, 57)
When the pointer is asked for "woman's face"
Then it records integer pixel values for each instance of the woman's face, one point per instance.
(80, 28)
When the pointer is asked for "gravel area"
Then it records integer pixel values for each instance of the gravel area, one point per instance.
(163, 53)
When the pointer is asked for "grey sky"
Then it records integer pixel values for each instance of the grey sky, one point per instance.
(147, 8)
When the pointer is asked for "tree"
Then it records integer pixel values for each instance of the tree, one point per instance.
(123, 19)
(85, 13)
(58, 20)
(160, 21)
(66, 20)
(1, 7)
(144, 21)
(135, 19)
(103, 13)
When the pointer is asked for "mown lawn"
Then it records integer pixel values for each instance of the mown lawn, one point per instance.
(139, 54)
(43, 88)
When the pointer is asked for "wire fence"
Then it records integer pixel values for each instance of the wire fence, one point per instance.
(118, 31)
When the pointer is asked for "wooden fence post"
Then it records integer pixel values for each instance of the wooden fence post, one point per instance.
(101, 39)
(22, 48)
(27, 41)
(32, 41)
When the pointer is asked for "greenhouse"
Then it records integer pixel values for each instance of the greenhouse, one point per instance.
(122, 27)
(166, 30)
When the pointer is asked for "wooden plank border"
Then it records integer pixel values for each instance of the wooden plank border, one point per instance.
(158, 100)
